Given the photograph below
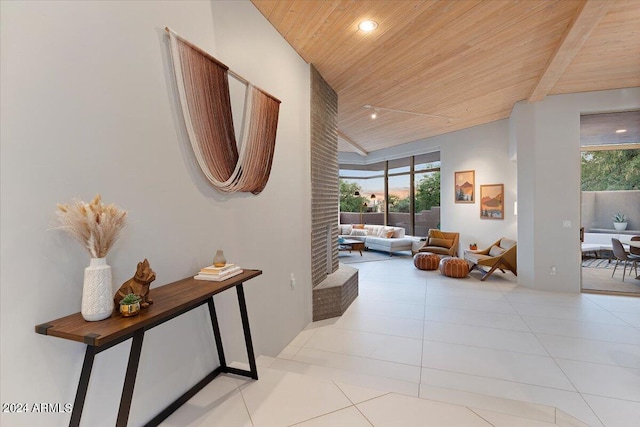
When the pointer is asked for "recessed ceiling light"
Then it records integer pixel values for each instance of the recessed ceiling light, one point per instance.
(374, 115)
(621, 131)
(367, 26)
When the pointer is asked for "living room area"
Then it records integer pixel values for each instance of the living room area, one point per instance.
(461, 340)
(384, 193)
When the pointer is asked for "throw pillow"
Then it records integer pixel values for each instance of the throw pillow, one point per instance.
(358, 232)
(346, 229)
(384, 232)
(389, 234)
(358, 226)
(436, 233)
(443, 243)
(496, 251)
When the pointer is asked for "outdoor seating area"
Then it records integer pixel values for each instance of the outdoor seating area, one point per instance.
(624, 258)
(599, 244)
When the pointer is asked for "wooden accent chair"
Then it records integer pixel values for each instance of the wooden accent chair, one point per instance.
(441, 242)
(501, 255)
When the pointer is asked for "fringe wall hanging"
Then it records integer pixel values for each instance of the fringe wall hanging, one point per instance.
(203, 86)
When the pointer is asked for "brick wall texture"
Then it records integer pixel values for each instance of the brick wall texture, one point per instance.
(324, 177)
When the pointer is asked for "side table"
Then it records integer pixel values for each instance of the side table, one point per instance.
(170, 301)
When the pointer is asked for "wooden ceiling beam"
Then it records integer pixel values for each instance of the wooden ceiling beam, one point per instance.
(577, 34)
(352, 143)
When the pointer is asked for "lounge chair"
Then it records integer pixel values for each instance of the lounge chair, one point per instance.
(441, 243)
(501, 255)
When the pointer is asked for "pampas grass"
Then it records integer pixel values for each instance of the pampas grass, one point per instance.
(95, 226)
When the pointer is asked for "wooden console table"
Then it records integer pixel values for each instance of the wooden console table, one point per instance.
(169, 301)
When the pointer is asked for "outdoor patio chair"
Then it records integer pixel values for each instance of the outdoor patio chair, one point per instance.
(632, 250)
(621, 255)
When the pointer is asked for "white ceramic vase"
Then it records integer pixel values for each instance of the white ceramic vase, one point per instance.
(620, 226)
(97, 292)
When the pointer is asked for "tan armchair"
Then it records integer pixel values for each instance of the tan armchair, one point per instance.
(501, 255)
(441, 243)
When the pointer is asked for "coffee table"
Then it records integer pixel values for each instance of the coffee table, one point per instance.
(351, 245)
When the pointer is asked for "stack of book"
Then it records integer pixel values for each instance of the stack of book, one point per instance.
(218, 274)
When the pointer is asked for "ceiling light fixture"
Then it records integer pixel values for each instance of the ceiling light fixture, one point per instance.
(368, 25)
(621, 131)
(393, 110)
(374, 114)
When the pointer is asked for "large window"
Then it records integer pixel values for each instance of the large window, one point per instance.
(362, 194)
(402, 192)
(427, 195)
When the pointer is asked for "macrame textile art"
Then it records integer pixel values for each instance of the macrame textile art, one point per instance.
(203, 86)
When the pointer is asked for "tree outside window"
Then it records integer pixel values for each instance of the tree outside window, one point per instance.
(428, 192)
(349, 202)
(611, 170)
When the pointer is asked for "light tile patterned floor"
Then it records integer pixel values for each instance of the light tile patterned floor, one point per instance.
(417, 348)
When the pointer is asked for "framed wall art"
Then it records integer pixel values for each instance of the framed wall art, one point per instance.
(492, 201)
(465, 186)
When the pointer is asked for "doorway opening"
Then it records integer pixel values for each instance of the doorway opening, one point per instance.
(610, 201)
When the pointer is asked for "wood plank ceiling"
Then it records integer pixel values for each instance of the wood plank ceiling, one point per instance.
(468, 61)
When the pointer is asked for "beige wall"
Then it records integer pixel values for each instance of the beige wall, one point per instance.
(598, 208)
(88, 106)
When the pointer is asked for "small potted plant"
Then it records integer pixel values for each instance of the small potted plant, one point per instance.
(473, 246)
(130, 305)
(620, 221)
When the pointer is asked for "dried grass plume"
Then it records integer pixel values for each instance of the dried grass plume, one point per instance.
(94, 225)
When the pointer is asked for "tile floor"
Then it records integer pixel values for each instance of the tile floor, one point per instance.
(600, 280)
(417, 348)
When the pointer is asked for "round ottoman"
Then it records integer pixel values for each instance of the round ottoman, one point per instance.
(426, 261)
(454, 267)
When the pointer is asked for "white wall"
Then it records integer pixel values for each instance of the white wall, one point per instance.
(484, 149)
(548, 144)
(89, 105)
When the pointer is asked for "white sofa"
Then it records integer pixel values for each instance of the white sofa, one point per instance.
(375, 237)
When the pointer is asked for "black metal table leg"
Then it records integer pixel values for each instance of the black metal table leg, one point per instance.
(83, 385)
(247, 332)
(130, 378)
(216, 333)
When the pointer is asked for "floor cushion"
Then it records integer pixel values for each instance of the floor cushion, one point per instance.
(454, 267)
(426, 261)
